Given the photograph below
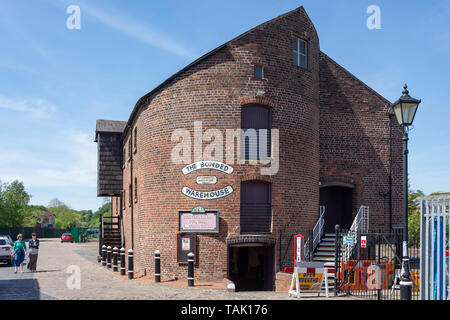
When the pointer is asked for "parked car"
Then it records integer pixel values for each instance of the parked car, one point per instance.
(6, 247)
(67, 237)
(9, 238)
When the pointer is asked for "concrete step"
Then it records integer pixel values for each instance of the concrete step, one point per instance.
(327, 241)
(324, 259)
(324, 254)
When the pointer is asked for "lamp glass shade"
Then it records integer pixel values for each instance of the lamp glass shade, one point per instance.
(405, 112)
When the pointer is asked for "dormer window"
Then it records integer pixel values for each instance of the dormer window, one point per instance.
(300, 52)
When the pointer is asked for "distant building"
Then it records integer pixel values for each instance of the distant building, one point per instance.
(443, 195)
(45, 220)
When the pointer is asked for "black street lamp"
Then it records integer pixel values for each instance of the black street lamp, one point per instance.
(405, 110)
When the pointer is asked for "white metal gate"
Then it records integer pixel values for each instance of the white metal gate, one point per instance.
(434, 243)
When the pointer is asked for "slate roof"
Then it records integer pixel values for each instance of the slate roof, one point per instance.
(109, 126)
(441, 196)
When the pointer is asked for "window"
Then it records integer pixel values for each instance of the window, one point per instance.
(122, 199)
(124, 157)
(258, 72)
(135, 190)
(130, 145)
(256, 123)
(130, 194)
(135, 140)
(300, 51)
(256, 207)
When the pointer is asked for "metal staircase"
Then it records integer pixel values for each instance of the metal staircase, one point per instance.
(325, 252)
(324, 245)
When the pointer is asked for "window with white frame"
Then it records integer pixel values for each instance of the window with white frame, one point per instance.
(300, 52)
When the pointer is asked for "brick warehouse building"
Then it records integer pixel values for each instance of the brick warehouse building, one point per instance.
(335, 149)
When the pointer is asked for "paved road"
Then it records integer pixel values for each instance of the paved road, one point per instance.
(50, 281)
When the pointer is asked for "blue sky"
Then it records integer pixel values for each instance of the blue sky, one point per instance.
(54, 82)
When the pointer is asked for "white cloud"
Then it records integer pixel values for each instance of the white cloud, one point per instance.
(138, 31)
(37, 108)
(71, 163)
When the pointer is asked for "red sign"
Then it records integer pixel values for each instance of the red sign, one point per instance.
(363, 242)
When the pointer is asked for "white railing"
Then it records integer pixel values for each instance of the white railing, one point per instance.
(360, 225)
(316, 234)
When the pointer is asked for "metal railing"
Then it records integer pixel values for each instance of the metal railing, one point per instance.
(360, 225)
(434, 246)
(373, 271)
(317, 233)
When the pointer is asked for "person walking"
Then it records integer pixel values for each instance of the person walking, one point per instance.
(19, 251)
(33, 249)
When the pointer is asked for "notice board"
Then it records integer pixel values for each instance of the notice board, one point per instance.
(186, 242)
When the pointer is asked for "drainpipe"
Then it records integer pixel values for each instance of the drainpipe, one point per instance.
(391, 116)
(131, 184)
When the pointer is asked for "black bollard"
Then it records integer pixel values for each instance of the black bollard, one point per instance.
(190, 269)
(115, 254)
(122, 261)
(103, 255)
(108, 257)
(157, 266)
(130, 264)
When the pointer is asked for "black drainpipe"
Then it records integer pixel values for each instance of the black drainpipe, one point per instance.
(391, 116)
(130, 195)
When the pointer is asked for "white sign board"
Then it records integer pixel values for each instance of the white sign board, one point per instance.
(206, 180)
(207, 195)
(299, 255)
(213, 165)
(185, 244)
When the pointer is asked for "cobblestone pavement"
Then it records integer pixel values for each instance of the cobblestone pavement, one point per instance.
(50, 280)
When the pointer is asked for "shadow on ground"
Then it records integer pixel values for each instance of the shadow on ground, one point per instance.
(20, 289)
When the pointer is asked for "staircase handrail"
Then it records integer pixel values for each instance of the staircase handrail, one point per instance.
(316, 233)
(360, 225)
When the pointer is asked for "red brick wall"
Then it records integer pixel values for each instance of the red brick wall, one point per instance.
(214, 92)
(353, 145)
(354, 142)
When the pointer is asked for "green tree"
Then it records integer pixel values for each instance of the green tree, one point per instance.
(93, 220)
(412, 204)
(13, 204)
(65, 217)
(413, 216)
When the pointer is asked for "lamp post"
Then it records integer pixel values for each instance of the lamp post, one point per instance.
(405, 110)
